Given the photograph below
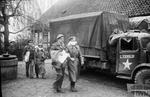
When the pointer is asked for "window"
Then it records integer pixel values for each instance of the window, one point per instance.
(145, 41)
(129, 43)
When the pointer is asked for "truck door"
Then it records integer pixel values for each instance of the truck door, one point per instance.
(127, 55)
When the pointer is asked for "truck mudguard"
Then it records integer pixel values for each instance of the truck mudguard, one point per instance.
(139, 67)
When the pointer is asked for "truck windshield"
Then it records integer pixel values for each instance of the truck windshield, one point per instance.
(129, 43)
(145, 41)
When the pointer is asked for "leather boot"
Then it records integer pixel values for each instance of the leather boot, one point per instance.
(60, 90)
(72, 88)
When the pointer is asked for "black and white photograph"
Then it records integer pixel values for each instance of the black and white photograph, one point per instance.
(75, 48)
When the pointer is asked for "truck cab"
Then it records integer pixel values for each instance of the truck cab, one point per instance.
(132, 59)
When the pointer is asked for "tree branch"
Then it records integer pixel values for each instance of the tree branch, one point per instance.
(13, 14)
(28, 17)
(20, 30)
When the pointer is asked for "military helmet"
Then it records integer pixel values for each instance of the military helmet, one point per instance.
(59, 36)
(72, 37)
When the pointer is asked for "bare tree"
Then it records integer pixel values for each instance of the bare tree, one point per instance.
(7, 10)
(12, 9)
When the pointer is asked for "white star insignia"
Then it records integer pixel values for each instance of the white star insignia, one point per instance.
(127, 64)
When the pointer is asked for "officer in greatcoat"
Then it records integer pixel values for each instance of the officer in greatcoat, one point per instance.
(60, 69)
(74, 63)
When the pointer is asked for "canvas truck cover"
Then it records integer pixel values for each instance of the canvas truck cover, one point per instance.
(91, 29)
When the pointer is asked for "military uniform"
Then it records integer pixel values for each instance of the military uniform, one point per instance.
(39, 62)
(74, 64)
(30, 63)
(58, 46)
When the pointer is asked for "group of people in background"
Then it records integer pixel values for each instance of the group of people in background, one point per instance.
(35, 57)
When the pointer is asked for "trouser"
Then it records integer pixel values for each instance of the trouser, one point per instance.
(29, 69)
(37, 70)
(72, 84)
(59, 79)
(40, 69)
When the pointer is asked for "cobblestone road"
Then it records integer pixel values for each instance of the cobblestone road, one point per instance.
(89, 85)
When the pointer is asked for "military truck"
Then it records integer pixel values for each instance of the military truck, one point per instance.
(107, 44)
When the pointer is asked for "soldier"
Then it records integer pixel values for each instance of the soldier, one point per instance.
(29, 52)
(39, 61)
(58, 46)
(75, 62)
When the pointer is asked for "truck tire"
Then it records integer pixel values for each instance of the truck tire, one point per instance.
(142, 77)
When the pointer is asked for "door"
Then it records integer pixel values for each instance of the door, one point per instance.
(128, 52)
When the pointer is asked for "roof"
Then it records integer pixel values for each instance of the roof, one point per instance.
(76, 16)
(134, 8)
(131, 8)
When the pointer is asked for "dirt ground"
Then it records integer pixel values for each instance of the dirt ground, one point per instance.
(90, 84)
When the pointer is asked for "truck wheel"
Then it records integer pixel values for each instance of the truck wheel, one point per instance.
(143, 77)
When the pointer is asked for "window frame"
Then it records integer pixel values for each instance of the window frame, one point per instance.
(128, 50)
(141, 42)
